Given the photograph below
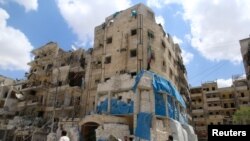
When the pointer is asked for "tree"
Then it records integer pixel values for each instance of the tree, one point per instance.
(242, 115)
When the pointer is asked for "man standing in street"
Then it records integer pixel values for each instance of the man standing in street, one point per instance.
(64, 136)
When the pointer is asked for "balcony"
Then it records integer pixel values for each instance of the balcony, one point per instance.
(198, 111)
(197, 104)
(27, 103)
(196, 95)
(200, 127)
(213, 99)
(241, 88)
(245, 98)
(227, 99)
(211, 92)
(215, 108)
(199, 119)
(215, 116)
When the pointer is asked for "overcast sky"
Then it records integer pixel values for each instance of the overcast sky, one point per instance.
(208, 31)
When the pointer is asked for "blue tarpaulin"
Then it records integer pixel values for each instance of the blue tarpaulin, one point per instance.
(143, 125)
(160, 105)
(171, 109)
(117, 107)
(161, 86)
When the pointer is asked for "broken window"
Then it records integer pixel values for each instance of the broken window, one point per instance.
(108, 60)
(133, 53)
(33, 92)
(163, 63)
(109, 40)
(242, 95)
(123, 49)
(163, 44)
(122, 71)
(244, 102)
(133, 74)
(5, 95)
(82, 61)
(106, 79)
(225, 105)
(100, 45)
(230, 96)
(133, 32)
(169, 55)
(213, 88)
(170, 72)
(150, 34)
(75, 78)
(60, 83)
(164, 69)
(232, 105)
(49, 66)
(97, 81)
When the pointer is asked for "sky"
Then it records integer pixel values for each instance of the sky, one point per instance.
(208, 31)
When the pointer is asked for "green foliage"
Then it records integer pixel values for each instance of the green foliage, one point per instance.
(242, 115)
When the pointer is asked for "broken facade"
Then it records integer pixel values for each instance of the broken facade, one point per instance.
(214, 106)
(64, 88)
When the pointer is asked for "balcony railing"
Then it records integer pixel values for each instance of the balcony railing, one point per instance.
(198, 119)
(200, 127)
(196, 95)
(197, 111)
(215, 116)
(214, 108)
(213, 99)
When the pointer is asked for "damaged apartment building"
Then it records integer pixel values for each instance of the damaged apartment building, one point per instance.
(214, 106)
(133, 74)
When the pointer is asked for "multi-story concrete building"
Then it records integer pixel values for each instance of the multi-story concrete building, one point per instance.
(64, 89)
(214, 106)
(129, 41)
(245, 52)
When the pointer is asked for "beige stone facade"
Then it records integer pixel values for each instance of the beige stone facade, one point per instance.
(214, 106)
(127, 43)
(63, 88)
